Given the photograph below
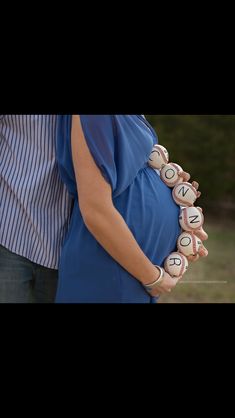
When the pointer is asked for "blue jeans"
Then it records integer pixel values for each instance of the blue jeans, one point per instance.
(22, 281)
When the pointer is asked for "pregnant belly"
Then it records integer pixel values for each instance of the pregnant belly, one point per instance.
(152, 215)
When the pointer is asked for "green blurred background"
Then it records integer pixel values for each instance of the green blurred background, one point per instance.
(204, 145)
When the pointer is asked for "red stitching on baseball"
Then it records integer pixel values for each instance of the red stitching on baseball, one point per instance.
(186, 220)
(162, 154)
(179, 200)
(182, 184)
(183, 265)
(194, 241)
(177, 168)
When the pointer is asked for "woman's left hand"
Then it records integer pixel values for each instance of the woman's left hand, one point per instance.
(203, 252)
(203, 236)
(200, 233)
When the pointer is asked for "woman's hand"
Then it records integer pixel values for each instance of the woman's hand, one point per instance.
(203, 252)
(186, 177)
(203, 236)
(200, 233)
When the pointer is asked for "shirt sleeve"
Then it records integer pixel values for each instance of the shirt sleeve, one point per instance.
(99, 132)
(119, 146)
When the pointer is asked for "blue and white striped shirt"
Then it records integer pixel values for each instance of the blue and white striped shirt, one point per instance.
(35, 206)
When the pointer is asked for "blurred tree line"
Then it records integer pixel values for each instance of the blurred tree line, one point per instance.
(205, 147)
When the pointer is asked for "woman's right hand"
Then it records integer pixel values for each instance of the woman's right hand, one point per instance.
(166, 285)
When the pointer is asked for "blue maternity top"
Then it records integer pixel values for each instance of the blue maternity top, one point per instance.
(121, 146)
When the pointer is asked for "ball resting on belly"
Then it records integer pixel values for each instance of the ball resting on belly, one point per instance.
(191, 218)
(184, 194)
(176, 264)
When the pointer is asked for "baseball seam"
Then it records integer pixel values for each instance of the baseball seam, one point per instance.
(178, 199)
(183, 266)
(162, 154)
(187, 224)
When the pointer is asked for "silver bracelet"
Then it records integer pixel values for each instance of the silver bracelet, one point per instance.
(151, 286)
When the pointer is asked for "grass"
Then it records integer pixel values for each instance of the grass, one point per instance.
(218, 267)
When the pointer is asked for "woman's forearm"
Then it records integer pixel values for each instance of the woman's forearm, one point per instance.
(111, 231)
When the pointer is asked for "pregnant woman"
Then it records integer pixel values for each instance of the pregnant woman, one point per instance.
(124, 221)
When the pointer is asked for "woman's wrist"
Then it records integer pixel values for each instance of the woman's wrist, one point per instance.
(151, 286)
(156, 274)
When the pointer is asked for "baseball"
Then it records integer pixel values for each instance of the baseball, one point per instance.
(191, 218)
(176, 264)
(184, 194)
(188, 244)
(158, 157)
(170, 174)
